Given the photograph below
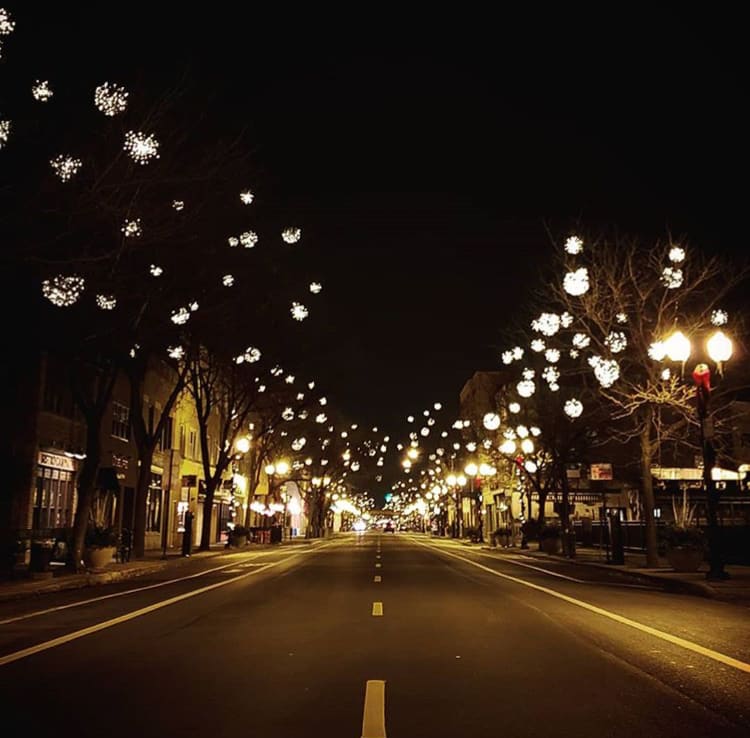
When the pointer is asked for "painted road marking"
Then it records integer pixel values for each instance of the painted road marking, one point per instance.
(373, 720)
(377, 556)
(676, 640)
(48, 610)
(378, 578)
(377, 609)
(75, 635)
(377, 566)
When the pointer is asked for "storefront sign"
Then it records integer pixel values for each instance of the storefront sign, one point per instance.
(57, 462)
(600, 472)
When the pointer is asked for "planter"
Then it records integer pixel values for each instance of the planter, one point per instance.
(685, 559)
(97, 557)
(237, 541)
(551, 545)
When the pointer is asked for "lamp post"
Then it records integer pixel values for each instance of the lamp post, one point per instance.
(719, 350)
(456, 483)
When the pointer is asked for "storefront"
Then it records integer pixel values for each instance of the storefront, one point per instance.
(55, 492)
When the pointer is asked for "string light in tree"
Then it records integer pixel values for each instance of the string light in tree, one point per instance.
(298, 444)
(41, 91)
(227, 280)
(178, 205)
(617, 341)
(666, 374)
(537, 345)
(65, 166)
(573, 353)
(233, 241)
(672, 278)
(514, 407)
(315, 287)
(621, 318)
(155, 270)
(607, 371)
(4, 132)
(719, 317)
(132, 228)
(106, 302)
(180, 316)
(581, 340)
(141, 148)
(291, 235)
(574, 245)
(321, 418)
(507, 357)
(251, 356)
(657, 350)
(134, 350)
(526, 388)
(247, 197)
(6, 24)
(299, 311)
(547, 324)
(248, 239)
(576, 283)
(110, 99)
(287, 414)
(63, 291)
(552, 355)
(573, 408)
(175, 352)
(677, 254)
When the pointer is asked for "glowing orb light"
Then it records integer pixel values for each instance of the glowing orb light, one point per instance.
(180, 316)
(156, 271)
(573, 408)
(315, 287)
(110, 99)
(526, 388)
(65, 166)
(63, 291)
(537, 345)
(574, 245)
(552, 355)
(291, 235)
(41, 91)
(4, 132)
(287, 414)
(248, 239)
(175, 352)
(247, 197)
(617, 341)
(672, 278)
(514, 407)
(141, 148)
(607, 371)
(178, 204)
(719, 317)
(547, 323)
(299, 311)
(581, 340)
(132, 228)
(233, 241)
(227, 280)
(657, 350)
(106, 302)
(676, 254)
(576, 283)
(621, 318)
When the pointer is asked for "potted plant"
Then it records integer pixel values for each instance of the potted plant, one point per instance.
(550, 539)
(685, 547)
(238, 536)
(100, 546)
(502, 537)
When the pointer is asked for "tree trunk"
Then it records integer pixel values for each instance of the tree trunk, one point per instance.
(208, 506)
(647, 488)
(145, 457)
(86, 488)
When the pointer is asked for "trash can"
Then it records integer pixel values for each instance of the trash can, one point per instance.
(41, 554)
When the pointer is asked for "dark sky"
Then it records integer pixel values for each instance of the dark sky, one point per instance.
(424, 156)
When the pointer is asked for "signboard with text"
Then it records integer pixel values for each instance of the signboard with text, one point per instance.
(600, 472)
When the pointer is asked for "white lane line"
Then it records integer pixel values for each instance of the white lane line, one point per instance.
(373, 719)
(48, 610)
(676, 640)
(377, 566)
(377, 556)
(24, 653)
(378, 578)
(377, 609)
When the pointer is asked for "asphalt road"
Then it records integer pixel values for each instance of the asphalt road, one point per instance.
(285, 642)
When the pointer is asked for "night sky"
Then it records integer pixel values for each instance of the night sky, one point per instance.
(425, 157)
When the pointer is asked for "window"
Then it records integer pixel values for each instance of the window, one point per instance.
(165, 439)
(182, 440)
(57, 397)
(153, 504)
(120, 421)
(53, 502)
(191, 450)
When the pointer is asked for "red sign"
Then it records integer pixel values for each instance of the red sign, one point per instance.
(599, 472)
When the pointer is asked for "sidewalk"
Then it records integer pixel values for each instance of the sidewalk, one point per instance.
(153, 561)
(736, 589)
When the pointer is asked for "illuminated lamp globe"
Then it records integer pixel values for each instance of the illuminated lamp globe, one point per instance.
(719, 347)
(508, 447)
(282, 467)
(491, 421)
(530, 466)
(527, 446)
(486, 470)
(451, 480)
(270, 469)
(514, 407)
(461, 479)
(242, 445)
(471, 469)
(678, 347)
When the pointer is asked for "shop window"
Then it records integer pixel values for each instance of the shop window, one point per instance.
(54, 498)
(120, 421)
(153, 503)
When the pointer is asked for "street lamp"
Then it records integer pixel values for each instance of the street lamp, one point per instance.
(719, 348)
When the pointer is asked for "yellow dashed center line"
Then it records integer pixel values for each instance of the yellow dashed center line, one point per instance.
(377, 609)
